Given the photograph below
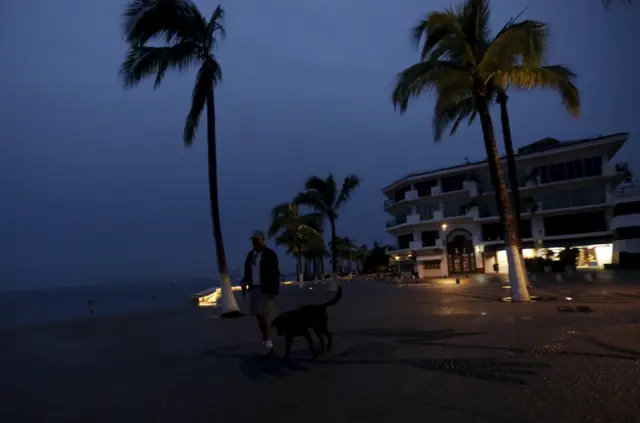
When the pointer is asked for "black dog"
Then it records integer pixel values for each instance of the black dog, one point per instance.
(298, 322)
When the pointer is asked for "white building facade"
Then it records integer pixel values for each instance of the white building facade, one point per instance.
(446, 221)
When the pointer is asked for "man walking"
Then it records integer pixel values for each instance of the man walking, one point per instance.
(262, 280)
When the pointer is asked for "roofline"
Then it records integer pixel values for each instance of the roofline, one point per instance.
(574, 145)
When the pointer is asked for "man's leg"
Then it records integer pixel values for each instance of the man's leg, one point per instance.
(263, 324)
(264, 309)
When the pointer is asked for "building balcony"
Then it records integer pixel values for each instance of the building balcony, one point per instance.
(625, 191)
(410, 195)
(421, 245)
(411, 219)
(472, 187)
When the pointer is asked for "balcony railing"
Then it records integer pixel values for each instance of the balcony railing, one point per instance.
(631, 189)
(389, 203)
(400, 220)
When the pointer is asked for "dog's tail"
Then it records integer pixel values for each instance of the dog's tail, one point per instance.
(335, 299)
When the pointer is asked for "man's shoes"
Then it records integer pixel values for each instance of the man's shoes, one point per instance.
(268, 349)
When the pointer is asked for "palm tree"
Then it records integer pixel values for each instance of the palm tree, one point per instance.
(533, 45)
(323, 196)
(376, 259)
(189, 39)
(458, 61)
(361, 255)
(296, 231)
(349, 250)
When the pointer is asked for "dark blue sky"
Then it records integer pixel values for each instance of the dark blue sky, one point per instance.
(96, 186)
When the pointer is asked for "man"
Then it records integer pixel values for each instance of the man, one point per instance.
(262, 280)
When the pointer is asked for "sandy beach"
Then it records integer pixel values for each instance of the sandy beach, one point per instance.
(402, 352)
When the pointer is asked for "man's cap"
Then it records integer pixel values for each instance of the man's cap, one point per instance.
(258, 234)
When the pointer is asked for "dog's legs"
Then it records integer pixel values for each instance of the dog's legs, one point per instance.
(287, 347)
(329, 338)
(310, 341)
(319, 335)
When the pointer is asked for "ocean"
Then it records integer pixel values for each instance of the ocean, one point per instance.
(40, 306)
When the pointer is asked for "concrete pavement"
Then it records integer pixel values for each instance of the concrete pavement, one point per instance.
(402, 353)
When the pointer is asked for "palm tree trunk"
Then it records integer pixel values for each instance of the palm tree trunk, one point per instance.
(511, 163)
(300, 270)
(229, 305)
(517, 274)
(333, 284)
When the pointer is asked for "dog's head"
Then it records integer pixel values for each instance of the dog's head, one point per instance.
(278, 324)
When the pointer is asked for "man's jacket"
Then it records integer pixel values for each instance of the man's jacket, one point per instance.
(269, 272)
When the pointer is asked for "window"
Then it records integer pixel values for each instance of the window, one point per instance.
(453, 183)
(429, 238)
(431, 264)
(621, 209)
(487, 209)
(424, 188)
(574, 198)
(593, 166)
(453, 209)
(426, 211)
(629, 232)
(557, 172)
(573, 224)
(573, 169)
(525, 228)
(404, 241)
(492, 231)
(399, 194)
(579, 168)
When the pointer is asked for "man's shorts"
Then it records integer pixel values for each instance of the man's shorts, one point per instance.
(259, 303)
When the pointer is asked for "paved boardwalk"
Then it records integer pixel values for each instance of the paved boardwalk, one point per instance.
(402, 353)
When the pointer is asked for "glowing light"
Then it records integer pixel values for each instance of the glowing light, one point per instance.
(397, 257)
(211, 297)
(484, 313)
(444, 226)
(569, 298)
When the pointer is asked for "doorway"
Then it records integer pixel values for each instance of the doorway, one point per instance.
(460, 254)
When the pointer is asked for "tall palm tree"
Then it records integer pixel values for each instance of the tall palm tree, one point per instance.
(324, 196)
(347, 251)
(188, 39)
(361, 255)
(295, 230)
(533, 38)
(458, 60)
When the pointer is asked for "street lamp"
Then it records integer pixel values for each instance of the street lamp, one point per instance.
(444, 226)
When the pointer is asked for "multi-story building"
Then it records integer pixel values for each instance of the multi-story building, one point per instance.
(446, 221)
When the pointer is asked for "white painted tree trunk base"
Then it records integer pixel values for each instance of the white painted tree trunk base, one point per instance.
(301, 280)
(517, 275)
(227, 299)
(333, 285)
